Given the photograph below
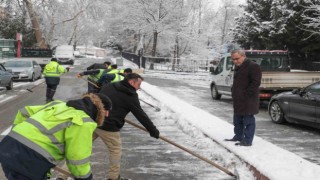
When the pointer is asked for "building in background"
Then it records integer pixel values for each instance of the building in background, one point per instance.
(92, 51)
(7, 48)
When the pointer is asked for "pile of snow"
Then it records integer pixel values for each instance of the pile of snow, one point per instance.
(272, 161)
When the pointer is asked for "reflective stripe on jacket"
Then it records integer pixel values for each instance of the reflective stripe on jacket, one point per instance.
(116, 73)
(57, 132)
(53, 69)
(96, 77)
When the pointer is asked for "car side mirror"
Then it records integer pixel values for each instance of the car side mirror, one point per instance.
(295, 91)
(9, 70)
(233, 67)
(211, 69)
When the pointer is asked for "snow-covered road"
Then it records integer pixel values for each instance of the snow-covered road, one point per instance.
(204, 128)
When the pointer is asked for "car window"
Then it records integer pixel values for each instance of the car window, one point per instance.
(314, 88)
(18, 64)
(229, 63)
(219, 68)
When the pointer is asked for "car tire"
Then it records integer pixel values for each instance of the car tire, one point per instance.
(32, 78)
(276, 113)
(10, 86)
(214, 93)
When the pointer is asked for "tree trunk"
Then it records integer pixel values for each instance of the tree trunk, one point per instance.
(176, 53)
(154, 48)
(41, 42)
(224, 26)
(74, 32)
(200, 11)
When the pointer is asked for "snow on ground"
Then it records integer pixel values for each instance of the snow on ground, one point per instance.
(4, 98)
(272, 161)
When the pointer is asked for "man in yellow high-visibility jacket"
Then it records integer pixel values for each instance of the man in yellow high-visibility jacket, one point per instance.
(44, 135)
(52, 72)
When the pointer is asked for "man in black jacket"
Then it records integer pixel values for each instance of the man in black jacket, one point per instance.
(91, 78)
(124, 100)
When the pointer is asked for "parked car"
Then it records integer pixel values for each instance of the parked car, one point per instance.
(24, 69)
(300, 106)
(5, 78)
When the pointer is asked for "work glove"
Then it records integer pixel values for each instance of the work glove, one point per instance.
(99, 84)
(155, 133)
(79, 75)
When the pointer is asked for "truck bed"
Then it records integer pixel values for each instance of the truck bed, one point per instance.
(288, 80)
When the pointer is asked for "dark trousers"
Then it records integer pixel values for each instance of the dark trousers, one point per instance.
(13, 175)
(244, 128)
(51, 90)
(52, 86)
(92, 88)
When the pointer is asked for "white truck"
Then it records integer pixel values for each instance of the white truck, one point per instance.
(276, 74)
(65, 54)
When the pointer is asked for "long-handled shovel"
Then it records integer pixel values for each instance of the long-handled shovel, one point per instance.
(94, 84)
(187, 150)
(155, 107)
(62, 171)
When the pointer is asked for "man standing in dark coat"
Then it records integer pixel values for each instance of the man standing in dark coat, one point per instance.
(245, 95)
(124, 100)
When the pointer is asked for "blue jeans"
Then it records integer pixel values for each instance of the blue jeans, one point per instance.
(244, 128)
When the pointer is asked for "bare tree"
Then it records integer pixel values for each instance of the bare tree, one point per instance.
(41, 42)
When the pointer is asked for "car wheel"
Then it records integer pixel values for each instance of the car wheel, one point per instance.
(10, 86)
(214, 93)
(276, 113)
(32, 78)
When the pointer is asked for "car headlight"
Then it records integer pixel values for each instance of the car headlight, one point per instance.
(24, 73)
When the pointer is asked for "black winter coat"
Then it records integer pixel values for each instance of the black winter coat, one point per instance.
(124, 100)
(96, 66)
(245, 90)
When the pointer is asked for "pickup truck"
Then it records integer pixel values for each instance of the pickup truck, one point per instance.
(276, 74)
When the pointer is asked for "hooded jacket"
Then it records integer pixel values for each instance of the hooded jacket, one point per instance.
(52, 72)
(44, 135)
(124, 100)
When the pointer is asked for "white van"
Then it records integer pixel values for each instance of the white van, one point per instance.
(65, 54)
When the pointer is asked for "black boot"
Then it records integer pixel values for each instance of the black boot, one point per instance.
(48, 95)
(52, 94)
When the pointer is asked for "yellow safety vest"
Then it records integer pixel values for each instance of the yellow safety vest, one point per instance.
(53, 69)
(57, 132)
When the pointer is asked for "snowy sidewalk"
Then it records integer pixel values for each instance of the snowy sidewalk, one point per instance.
(272, 161)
